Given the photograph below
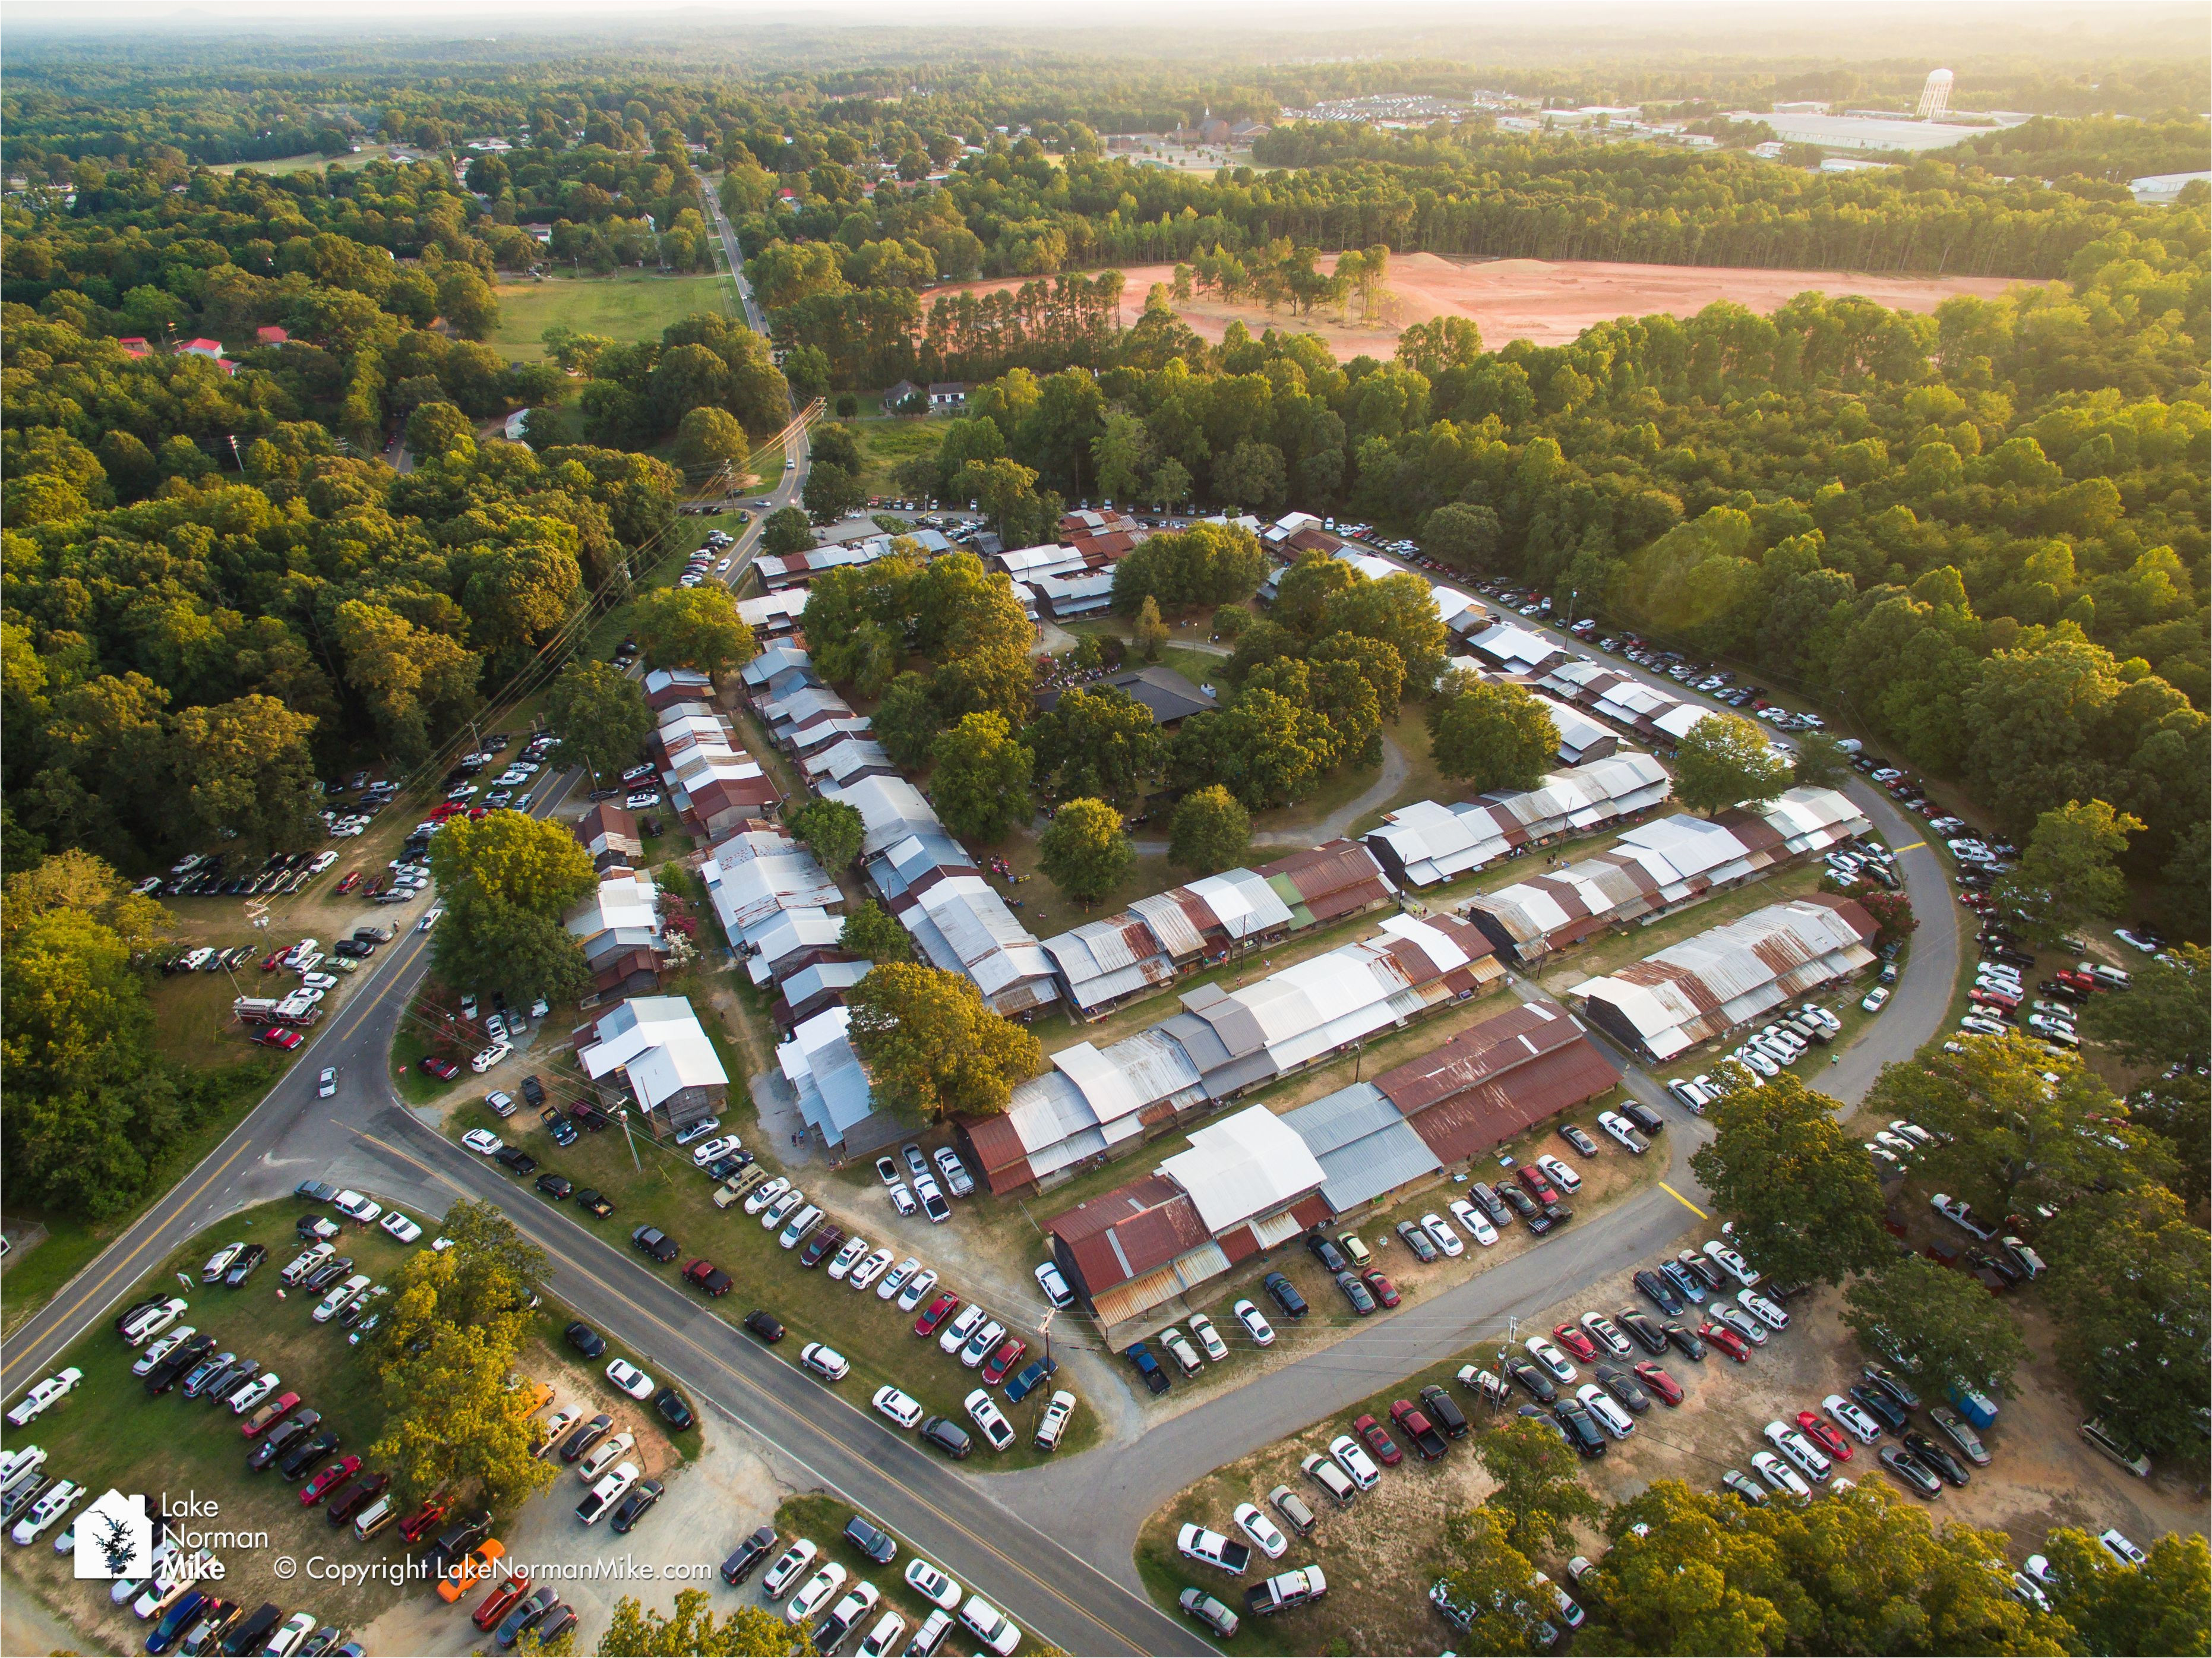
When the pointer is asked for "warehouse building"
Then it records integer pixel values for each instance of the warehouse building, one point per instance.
(1703, 988)
(1657, 866)
(1426, 843)
(1248, 1184)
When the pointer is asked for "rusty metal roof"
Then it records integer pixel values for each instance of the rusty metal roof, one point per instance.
(1128, 1232)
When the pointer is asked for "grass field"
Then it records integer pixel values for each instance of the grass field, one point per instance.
(887, 441)
(631, 305)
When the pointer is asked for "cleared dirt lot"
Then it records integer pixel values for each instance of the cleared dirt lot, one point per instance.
(1548, 301)
(1381, 1554)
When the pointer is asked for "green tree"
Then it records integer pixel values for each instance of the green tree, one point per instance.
(504, 882)
(1211, 831)
(907, 722)
(2129, 1292)
(2166, 1017)
(1492, 1583)
(2070, 875)
(708, 440)
(981, 781)
(2009, 1139)
(693, 1631)
(932, 1047)
(466, 302)
(1101, 742)
(1821, 762)
(1802, 1191)
(1690, 1571)
(1939, 1327)
(246, 769)
(1150, 632)
(874, 933)
(437, 429)
(1492, 735)
(1725, 762)
(2155, 1608)
(692, 627)
(1230, 621)
(458, 1319)
(1263, 748)
(831, 491)
(1539, 1495)
(1465, 535)
(831, 829)
(600, 716)
(1083, 851)
(785, 531)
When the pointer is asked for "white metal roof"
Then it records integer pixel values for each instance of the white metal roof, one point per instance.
(1248, 1163)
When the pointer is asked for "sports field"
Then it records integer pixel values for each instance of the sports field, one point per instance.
(631, 305)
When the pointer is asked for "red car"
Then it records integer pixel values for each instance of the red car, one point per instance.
(1669, 1389)
(373, 888)
(2074, 981)
(272, 961)
(274, 1410)
(416, 1524)
(1532, 1180)
(443, 1070)
(1385, 1449)
(1385, 1292)
(1572, 1337)
(352, 880)
(500, 1600)
(1727, 1341)
(708, 1277)
(329, 1480)
(1823, 1433)
(279, 1037)
(1009, 1355)
(935, 1313)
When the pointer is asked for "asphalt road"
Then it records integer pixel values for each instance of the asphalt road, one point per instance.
(1053, 1545)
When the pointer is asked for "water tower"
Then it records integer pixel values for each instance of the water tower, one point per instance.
(1935, 97)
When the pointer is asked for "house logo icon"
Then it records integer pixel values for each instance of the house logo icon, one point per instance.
(115, 1538)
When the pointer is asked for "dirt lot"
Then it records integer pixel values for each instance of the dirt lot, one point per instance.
(1548, 301)
(1380, 1556)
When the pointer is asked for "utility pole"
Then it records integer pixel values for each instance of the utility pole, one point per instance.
(623, 1113)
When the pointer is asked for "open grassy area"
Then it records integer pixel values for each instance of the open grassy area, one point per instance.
(888, 441)
(630, 304)
(651, 1183)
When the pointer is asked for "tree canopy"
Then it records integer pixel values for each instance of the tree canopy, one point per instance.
(931, 1048)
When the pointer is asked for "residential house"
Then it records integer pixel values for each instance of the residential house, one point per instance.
(618, 925)
(1169, 697)
(894, 399)
(948, 394)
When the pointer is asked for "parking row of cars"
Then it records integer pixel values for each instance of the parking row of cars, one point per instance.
(832, 1606)
(206, 875)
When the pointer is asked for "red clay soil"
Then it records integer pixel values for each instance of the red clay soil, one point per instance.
(1548, 301)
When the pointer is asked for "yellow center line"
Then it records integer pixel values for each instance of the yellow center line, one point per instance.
(1915, 847)
(200, 1191)
(779, 1406)
(1684, 1201)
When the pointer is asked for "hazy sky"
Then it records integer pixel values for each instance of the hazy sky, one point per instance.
(30, 17)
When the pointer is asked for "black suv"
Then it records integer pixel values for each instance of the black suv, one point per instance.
(749, 1553)
(1584, 1435)
(871, 1541)
(1285, 1295)
(533, 1090)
